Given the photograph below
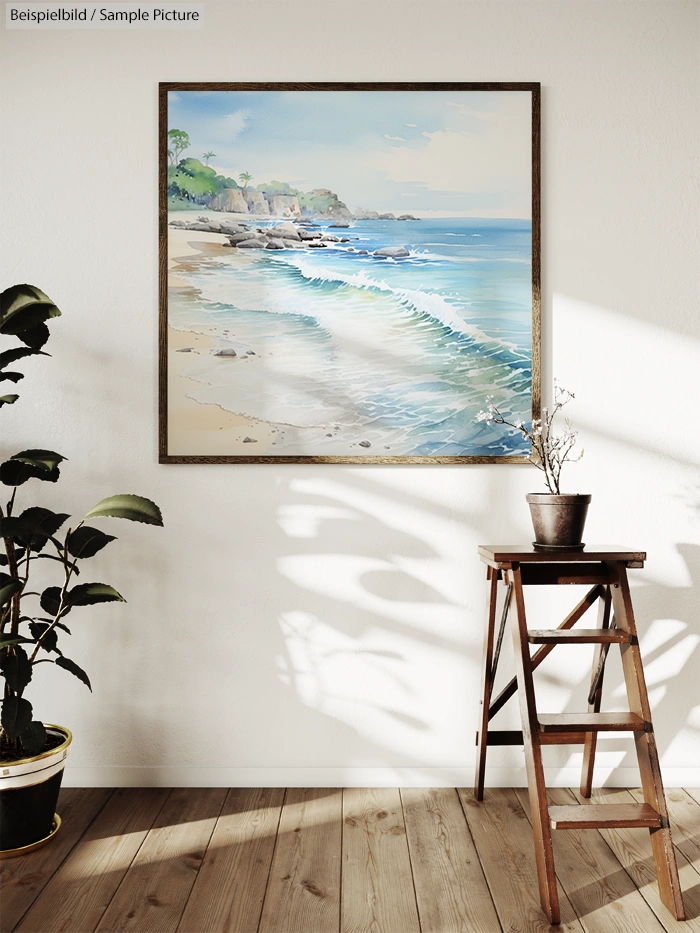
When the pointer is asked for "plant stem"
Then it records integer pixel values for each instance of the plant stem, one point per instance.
(62, 608)
(14, 573)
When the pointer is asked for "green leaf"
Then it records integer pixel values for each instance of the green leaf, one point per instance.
(135, 508)
(8, 399)
(8, 589)
(18, 353)
(35, 337)
(16, 668)
(86, 541)
(46, 460)
(87, 594)
(11, 527)
(38, 525)
(71, 666)
(16, 715)
(51, 600)
(22, 307)
(84, 594)
(13, 377)
(33, 738)
(15, 473)
(14, 640)
(31, 464)
(34, 527)
(50, 643)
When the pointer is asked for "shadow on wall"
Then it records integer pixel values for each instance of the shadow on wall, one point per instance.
(369, 594)
(365, 621)
(379, 647)
(669, 625)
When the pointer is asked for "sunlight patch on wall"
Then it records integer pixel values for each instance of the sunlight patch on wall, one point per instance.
(305, 520)
(423, 528)
(638, 377)
(605, 763)
(685, 746)
(346, 578)
(472, 497)
(671, 662)
(659, 633)
(366, 683)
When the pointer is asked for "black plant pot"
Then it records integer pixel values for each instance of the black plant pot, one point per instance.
(29, 791)
(558, 520)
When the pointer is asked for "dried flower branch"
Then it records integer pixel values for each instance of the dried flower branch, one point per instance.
(550, 451)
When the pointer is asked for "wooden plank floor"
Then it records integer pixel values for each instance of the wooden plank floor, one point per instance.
(326, 860)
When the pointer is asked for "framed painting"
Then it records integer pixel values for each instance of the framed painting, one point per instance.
(347, 271)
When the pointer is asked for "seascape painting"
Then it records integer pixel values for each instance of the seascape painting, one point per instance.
(348, 272)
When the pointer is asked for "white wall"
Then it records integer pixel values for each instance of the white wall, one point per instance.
(323, 623)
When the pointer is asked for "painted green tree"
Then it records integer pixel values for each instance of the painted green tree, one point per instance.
(178, 141)
(192, 181)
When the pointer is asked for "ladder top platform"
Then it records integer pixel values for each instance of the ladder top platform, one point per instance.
(496, 555)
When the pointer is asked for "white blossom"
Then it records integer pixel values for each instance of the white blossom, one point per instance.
(549, 450)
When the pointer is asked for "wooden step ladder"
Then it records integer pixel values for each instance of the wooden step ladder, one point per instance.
(605, 570)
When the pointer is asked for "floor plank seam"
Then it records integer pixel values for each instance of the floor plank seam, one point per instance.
(128, 867)
(410, 861)
(342, 842)
(481, 866)
(272, 858)
(201, 861)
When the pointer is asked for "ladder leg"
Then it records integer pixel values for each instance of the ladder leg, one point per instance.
(549, 897)
(589, 748)
(645, 742)
(486, 683)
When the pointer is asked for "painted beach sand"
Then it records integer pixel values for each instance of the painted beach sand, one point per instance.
(305, 318)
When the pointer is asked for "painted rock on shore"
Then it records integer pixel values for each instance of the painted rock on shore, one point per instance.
(391, 252)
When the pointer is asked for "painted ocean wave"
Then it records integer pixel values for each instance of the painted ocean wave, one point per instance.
(340, 353)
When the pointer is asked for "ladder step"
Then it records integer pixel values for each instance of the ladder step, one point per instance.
(604, 816)
(592, 722)
(581, 636)
(502, 737)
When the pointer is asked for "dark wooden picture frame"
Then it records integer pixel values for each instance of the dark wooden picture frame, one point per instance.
(365, 348)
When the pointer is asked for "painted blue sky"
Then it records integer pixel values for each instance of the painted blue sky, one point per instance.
(430, 153)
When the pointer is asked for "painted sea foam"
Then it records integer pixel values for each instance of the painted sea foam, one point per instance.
(342, 350)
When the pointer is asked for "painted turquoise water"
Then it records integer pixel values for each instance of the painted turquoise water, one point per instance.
(351, 354)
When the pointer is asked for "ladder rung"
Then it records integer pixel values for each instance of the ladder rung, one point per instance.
(581, 636)
(604, 816)
(592, 722)
(502, 737)
(562, 738)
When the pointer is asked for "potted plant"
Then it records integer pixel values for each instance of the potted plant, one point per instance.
(32, 752)
(558, 518)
